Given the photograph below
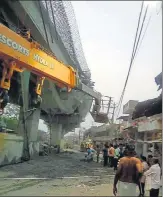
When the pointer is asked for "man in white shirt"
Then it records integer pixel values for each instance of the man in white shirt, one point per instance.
(154, 174)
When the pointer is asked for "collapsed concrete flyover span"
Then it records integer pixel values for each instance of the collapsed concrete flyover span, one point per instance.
(67, 109)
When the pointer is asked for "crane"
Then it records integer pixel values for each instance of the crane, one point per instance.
(18, 53)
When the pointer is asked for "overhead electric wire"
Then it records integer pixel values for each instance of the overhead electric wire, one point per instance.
(133, 56)
(135, 51)
(134, 40)
(140, 33)
(143, 36)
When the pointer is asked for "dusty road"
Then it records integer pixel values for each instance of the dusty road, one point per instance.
(56, 175)
(65, 175)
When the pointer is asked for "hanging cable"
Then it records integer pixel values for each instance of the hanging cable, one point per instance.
(143, 36)
(131, 63)
(134, 40)
(134, 44)
(140, 34)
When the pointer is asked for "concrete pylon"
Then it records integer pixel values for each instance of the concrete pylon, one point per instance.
(56, 134)
(28, 121)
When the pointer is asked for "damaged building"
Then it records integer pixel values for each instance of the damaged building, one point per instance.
(143, 123)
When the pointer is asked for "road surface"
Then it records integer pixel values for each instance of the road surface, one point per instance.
(56, 175)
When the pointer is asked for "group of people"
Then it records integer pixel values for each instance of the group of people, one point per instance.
(133, 171)
(112, 154)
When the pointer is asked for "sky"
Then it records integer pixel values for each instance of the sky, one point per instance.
(107, 30)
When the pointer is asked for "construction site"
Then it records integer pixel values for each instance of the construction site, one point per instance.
(47, 93)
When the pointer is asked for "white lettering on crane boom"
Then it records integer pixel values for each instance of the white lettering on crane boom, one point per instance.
(42, 61)
(14, 45)
(24, 51)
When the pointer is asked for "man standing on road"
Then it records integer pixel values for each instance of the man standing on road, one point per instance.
(105, 155)
(128, 174)
(142, 180)
(154, 173)
(111, 155)
(116, 156)
(98, 152)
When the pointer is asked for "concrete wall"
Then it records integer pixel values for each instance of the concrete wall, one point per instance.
(11, 148)
(150, 124)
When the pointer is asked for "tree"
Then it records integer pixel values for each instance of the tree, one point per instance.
(10, 117)
(9, 123)
(12, 111)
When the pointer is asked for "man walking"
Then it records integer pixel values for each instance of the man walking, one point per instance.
(128, 174)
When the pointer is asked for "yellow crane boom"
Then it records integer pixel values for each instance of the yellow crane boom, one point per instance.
(17, 54)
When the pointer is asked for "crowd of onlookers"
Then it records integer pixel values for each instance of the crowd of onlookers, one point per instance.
(112, 154)
(131, 170)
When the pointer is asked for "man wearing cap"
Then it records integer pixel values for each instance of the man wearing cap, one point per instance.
(128, 174)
